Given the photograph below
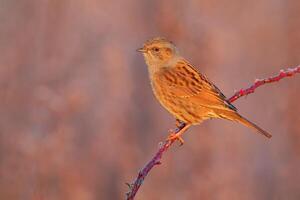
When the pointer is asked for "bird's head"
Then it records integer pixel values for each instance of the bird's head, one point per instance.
(159, 52)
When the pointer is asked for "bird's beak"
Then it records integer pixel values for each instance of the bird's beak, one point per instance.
(142, 50)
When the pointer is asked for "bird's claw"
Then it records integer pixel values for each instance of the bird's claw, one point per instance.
(173, 137)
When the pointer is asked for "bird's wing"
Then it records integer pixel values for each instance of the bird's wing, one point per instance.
(184, 81)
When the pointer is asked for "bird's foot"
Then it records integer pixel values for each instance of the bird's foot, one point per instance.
(175, 136)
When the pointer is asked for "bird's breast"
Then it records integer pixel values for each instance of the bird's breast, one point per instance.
(180, 108)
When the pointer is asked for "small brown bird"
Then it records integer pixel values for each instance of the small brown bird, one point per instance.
(183, 91)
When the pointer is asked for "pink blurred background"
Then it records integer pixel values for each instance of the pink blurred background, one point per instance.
(78, 117)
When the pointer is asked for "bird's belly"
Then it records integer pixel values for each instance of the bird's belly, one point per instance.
(182, 108)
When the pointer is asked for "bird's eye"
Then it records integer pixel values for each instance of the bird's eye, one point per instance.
(156, 49)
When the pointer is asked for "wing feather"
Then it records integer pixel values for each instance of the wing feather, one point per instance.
(184, 81)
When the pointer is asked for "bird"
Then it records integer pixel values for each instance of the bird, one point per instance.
(185, 92)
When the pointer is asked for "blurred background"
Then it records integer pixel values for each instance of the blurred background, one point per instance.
(78, 117)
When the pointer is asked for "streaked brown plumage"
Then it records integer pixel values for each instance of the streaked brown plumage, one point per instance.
(183, 91)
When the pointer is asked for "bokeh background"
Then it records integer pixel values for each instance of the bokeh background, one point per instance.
(78, 117)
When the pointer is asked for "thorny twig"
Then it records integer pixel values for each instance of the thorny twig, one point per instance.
(156, 160)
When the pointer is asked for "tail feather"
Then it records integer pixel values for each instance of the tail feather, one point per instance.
(254, 126)
(234, 116)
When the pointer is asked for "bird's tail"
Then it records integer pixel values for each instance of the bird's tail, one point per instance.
(254, 126)
(234, 116)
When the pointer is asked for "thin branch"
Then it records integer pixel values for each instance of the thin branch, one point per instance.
(259, 82)
(156, 160)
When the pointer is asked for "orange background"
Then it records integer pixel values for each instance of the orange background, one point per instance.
(78, 117)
